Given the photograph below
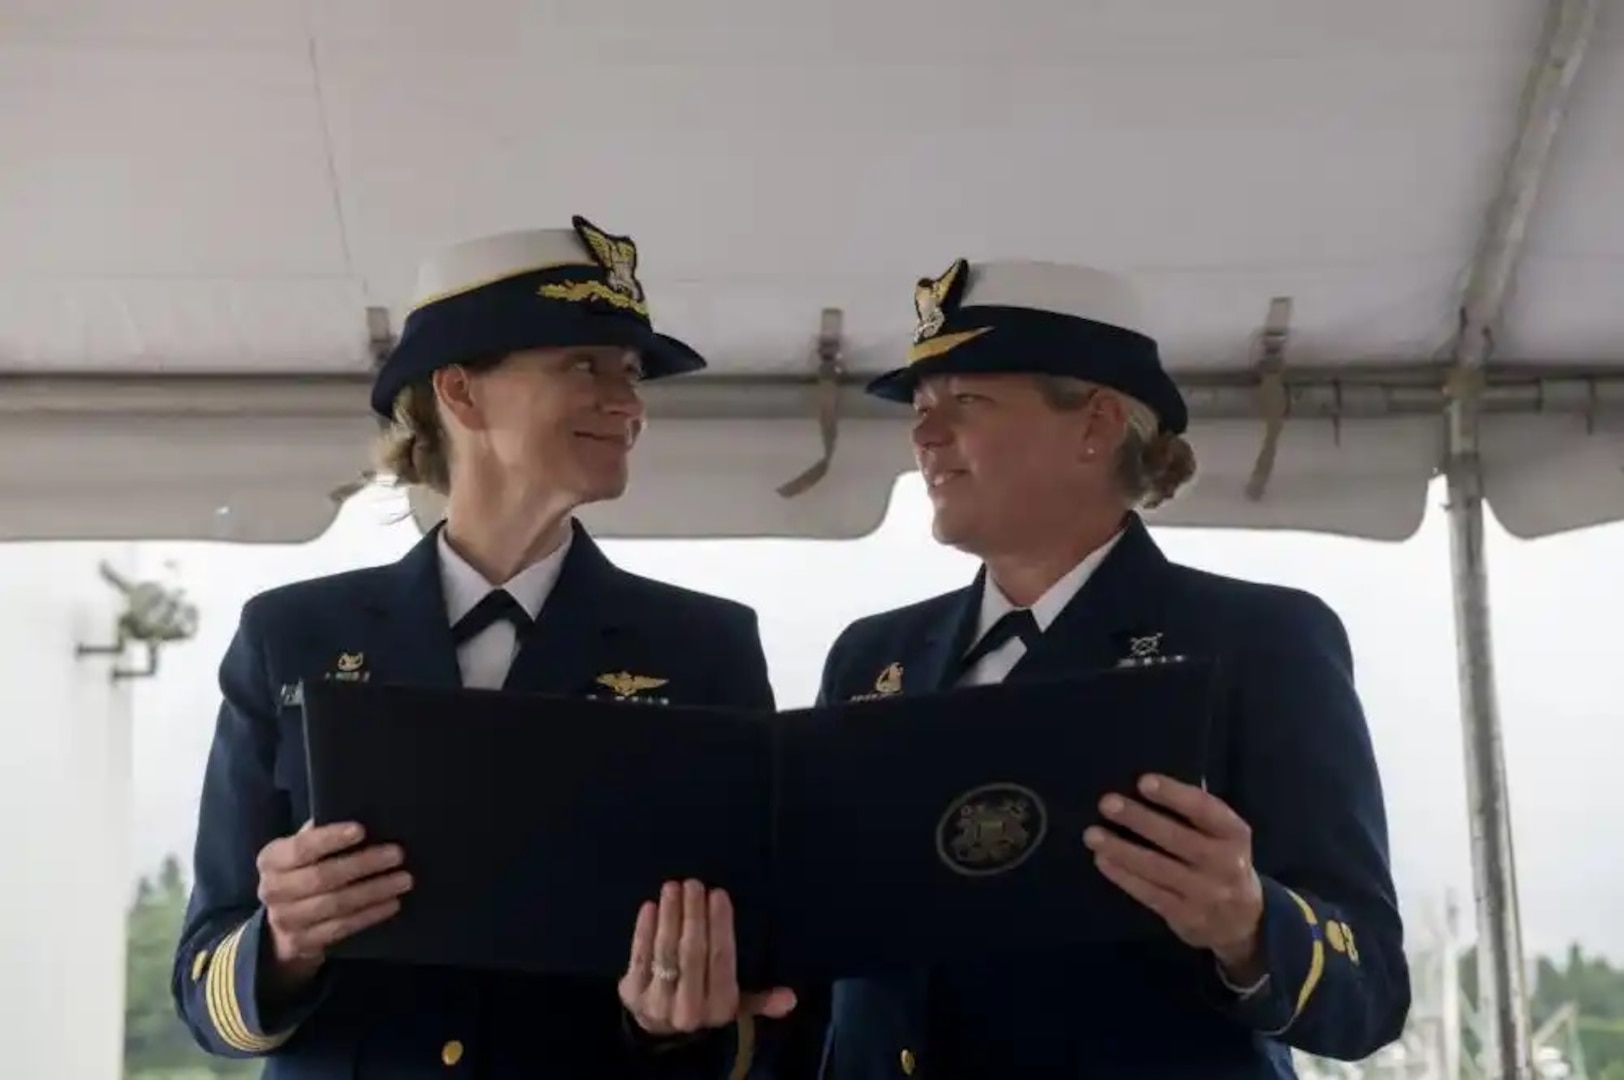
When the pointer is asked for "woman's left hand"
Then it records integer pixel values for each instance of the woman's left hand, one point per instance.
(683, 975)
(1205, 887)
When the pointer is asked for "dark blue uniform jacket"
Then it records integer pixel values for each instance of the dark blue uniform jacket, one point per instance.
(1293, 757)
(373, 1022)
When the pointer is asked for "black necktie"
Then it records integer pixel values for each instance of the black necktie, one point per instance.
(497, 605)
(1014, 624)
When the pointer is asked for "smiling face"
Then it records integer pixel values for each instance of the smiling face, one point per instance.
(555, 421)
(1004, 465)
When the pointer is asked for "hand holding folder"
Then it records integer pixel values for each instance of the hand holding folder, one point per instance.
(851, 839)
(683, 972)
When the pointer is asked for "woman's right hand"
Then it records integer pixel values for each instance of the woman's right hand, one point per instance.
(683, 975)
(319, 889)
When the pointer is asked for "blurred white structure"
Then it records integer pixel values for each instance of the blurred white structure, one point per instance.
(64, 797)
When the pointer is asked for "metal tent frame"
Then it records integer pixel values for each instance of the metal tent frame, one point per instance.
(1503, 995)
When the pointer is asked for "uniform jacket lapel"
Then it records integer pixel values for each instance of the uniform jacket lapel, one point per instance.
(1121, 600)
(411, 621)
(948, 638)
(560, 654)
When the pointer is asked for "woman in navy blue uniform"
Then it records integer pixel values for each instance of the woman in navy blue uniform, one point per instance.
(512, 393)
(1044, 423)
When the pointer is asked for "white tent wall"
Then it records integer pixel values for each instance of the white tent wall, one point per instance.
(200, 204)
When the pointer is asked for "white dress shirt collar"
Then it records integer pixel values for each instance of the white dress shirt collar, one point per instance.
(464, 586)
(1047, 608)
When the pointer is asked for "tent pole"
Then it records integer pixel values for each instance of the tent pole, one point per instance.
(1502, 992)
(1502, 984)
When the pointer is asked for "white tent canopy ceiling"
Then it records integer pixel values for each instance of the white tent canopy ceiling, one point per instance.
(200, 203)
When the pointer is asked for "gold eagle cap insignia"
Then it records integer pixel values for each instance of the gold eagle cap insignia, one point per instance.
(625, 684)
(348, 662)
(890, 680)
(616, 254)
(935, 299)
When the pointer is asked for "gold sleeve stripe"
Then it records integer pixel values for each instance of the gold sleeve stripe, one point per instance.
(744, 1053)
(1316, 963)
(225, 1010)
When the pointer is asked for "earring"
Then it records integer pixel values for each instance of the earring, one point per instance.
(1088, 451)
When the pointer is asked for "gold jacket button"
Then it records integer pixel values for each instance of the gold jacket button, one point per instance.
(451, 1052)
(909, 1062)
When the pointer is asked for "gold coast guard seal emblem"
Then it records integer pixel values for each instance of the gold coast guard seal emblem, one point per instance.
(991, 830)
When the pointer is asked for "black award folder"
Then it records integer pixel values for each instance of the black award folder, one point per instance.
(534, 826)
(869, 836)
(911, 831)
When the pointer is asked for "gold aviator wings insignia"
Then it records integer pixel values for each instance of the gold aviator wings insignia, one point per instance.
(625, 684)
